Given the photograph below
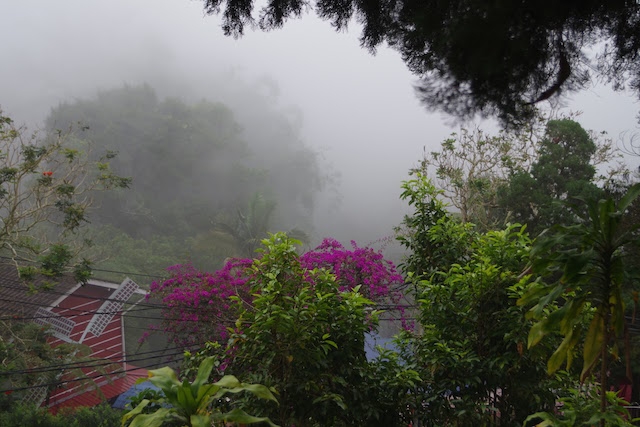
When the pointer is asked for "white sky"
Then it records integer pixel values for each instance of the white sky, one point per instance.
(358, 109)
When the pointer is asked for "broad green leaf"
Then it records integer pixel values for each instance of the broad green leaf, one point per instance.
(560, 355)
(199, 420)
(331, 343)
(543, 415)
(618, 314)
(135, 411)
(577, 335)
(165, 378)
(155, 419)
(186, 399)
(203, 394)
(203, 372)
(632, 193)
(228, 381)
(536, 333)
(572, 315)
(593, 344)
(258, 390)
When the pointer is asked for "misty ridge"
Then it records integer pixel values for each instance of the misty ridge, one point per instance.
(321, 146)
(206, 184)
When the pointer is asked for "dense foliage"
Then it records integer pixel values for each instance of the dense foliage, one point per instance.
(197, 403)
(472, 166)
(197, 173)
(589, 275)
(524, 176)
(563, 170)
(28, 415)
(294, 325)
(470, 350)
(197, 303)
(303, 336)
(47, 186)
(476, 56)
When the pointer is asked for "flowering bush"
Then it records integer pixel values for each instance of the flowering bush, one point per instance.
(360, 266)
(197, 304)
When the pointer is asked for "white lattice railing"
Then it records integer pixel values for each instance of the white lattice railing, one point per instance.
(59, 325)
(36, 395)
(110, 308)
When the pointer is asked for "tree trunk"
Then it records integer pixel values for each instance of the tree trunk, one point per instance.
(603, 381)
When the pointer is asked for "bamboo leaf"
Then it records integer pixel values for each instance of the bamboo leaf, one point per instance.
(593, 344)
(560, 355)
(632, 193)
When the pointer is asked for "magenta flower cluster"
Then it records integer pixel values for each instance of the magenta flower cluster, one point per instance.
(360, 266)
(198, 306)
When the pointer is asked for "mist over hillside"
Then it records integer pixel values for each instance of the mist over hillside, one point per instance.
(305, 85)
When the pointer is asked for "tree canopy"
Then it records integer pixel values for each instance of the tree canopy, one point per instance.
(195, 167)
(479, 57)
(563, 170)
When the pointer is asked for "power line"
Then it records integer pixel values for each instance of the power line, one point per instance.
(121, 312)
(57, 383)
(93, 269)
(149, 306)
(124, 357)
(93, 364)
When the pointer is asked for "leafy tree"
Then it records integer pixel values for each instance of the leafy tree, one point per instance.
(596, 278)
(472, 166)
(181, 158)
(28, 361)
(563, 170)
(194, 167)
(198, 307)
(581, 408)
(469, 349)
(426, 253)
(47, 186)
(479, 57)
(516, 175)
(304, 337)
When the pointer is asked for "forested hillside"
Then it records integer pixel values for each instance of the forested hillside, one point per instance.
(202, 187)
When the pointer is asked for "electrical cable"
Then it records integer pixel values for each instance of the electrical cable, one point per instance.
(56, 383)
(93, 269)
(86, 365)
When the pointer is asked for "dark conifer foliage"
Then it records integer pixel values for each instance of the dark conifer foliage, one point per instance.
(478, 57)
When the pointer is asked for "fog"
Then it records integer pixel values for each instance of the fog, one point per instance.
(358, 110)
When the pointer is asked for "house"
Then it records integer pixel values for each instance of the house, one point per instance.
(89, 314)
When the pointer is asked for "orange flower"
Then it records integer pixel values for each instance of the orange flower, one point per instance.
(47, 173)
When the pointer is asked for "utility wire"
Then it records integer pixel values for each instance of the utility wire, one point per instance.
(80, 312)
(124, 359)
(97, 363)
(93, 269)
(56, 383)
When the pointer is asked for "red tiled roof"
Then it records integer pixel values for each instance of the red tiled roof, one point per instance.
(80, 307)
(76, 305)
(105, 390)
(16, 298)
